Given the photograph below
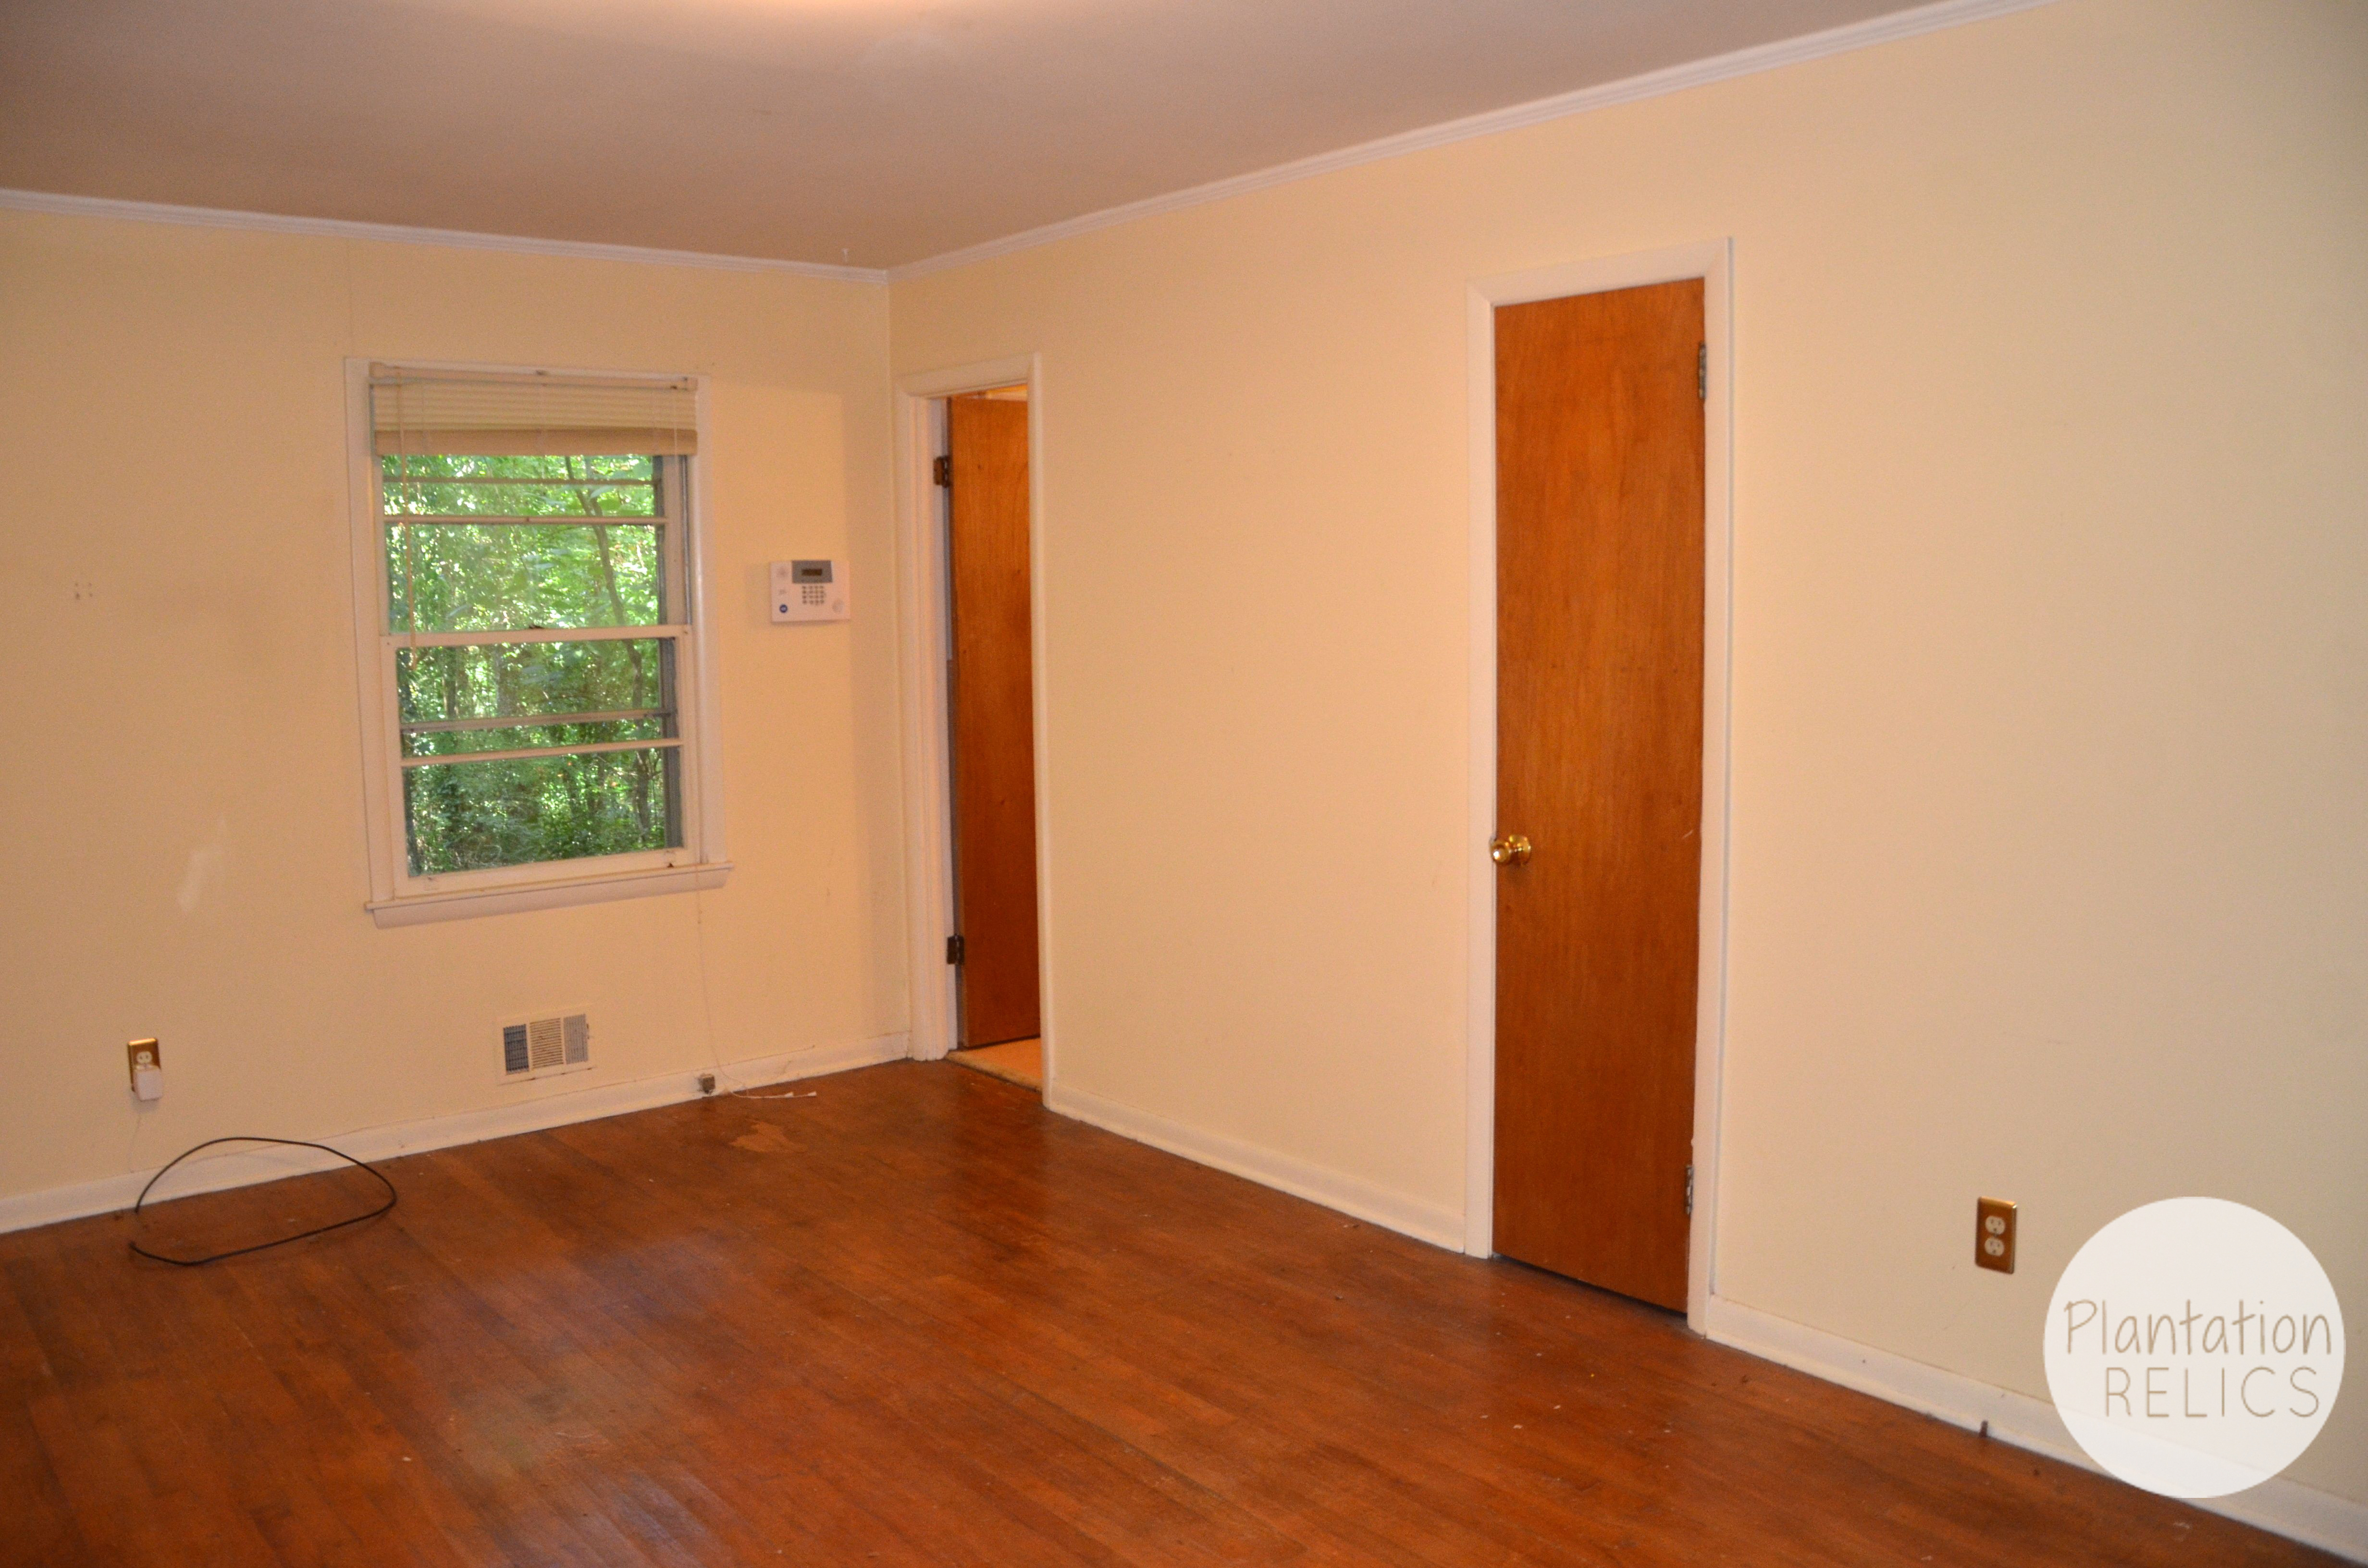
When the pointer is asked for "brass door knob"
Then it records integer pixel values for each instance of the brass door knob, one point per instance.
(1511, 849)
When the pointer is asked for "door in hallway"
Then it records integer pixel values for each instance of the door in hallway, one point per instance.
(991, 706)
(1600, 433)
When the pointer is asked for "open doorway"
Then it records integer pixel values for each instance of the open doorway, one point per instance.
(982, 477)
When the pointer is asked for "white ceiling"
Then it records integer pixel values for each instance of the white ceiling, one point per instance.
(871, 132)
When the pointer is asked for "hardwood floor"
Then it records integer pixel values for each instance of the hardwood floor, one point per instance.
(1019, 1061)
(915, 1319)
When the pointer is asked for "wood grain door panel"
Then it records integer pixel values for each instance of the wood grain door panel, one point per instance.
(1600, 437)
(992, 705)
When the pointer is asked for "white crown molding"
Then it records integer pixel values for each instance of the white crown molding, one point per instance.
(1652, 84)
(395, 234)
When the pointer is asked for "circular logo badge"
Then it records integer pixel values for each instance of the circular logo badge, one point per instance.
(2194, 1347)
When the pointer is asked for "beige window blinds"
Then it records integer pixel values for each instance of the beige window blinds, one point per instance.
(513, 415)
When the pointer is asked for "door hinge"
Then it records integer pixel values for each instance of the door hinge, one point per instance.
(1689, 1192)
(1701, 373)
(943, 470)
(955, 955)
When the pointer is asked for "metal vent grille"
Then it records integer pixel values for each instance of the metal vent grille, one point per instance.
(532, 1048)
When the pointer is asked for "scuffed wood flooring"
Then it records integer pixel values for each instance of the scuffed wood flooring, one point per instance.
(914, 1319)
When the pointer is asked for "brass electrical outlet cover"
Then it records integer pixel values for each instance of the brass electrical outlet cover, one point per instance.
(132, 1050)
(1993, 1235)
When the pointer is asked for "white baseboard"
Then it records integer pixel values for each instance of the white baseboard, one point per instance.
(1393, 1211)
(264, 1163)
(2281, 1506)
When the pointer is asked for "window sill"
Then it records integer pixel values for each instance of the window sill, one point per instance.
(421, 908)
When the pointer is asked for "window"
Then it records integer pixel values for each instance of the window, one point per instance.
(532, 688)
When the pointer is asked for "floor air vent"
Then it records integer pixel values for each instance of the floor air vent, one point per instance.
(537, 1048)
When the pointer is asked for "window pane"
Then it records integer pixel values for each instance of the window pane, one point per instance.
(519, 576)
(443, 484)
(512, 577)
(473, 816)
(532, 680)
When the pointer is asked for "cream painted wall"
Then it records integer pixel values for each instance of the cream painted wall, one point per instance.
(2050, 737)
(183, 795)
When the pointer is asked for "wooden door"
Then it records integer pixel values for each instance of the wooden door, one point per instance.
(1599, 720)
(991, 701)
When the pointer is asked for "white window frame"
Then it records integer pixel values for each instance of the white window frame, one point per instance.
(399, 898)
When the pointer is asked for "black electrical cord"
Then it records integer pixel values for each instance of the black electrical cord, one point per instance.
(283, 1241)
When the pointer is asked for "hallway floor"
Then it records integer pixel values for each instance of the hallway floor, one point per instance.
(1019, 1061)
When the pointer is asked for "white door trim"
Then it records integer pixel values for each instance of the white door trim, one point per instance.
(1711, 261)
(921, 611)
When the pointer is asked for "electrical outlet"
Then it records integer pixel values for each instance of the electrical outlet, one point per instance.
(1993, 1235)
(139, 1053)
(707, 1083)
